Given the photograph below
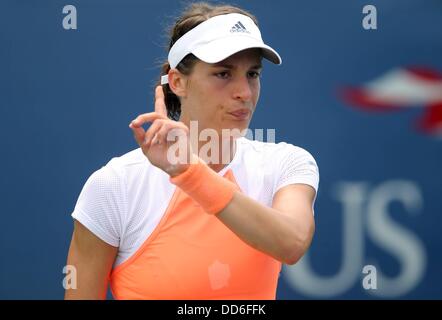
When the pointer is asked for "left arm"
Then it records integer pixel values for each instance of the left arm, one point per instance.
(283, 231)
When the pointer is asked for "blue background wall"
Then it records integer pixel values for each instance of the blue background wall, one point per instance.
(67, 97)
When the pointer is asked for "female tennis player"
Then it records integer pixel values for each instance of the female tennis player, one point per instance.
(186, 216)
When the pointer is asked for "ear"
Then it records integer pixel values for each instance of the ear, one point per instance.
(178, 83)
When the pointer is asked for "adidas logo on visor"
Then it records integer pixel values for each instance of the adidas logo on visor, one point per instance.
(239, 27)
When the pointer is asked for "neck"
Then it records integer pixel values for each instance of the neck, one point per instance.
(216, 152)
(210, 146)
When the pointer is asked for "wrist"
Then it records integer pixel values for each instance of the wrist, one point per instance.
(176, 170)
(206, 187)
(173, 172)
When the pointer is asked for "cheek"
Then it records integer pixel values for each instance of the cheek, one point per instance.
(209, 106)
(213, 97)
(256, 91)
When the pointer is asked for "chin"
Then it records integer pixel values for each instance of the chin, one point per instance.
(238, 127)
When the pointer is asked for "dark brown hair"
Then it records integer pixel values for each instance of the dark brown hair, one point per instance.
(192, 16)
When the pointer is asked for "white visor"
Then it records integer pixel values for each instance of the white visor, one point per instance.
(217, 39)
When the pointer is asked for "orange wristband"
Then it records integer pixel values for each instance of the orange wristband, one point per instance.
(206, 187)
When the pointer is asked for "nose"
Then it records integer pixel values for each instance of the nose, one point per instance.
(243, 89)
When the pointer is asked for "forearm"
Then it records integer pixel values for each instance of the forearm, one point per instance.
(266, 229)
(284, 231)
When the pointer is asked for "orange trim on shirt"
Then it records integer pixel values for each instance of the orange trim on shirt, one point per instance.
(193, 255)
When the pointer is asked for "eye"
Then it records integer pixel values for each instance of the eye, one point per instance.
(254, 74)
(222, 74)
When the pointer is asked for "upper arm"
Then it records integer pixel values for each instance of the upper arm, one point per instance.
(92, 259)
(296, 200)
(296, 184)
(97, 230)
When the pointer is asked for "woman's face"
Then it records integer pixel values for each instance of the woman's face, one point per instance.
(223, 95)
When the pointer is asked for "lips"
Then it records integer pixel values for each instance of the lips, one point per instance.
(241, 114)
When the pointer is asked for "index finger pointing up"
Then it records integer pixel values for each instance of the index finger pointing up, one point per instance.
(160, 103)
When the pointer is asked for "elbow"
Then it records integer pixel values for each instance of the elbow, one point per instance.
(297, 247)
(293, 254)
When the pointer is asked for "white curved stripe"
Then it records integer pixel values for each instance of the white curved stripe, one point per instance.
(401, 87)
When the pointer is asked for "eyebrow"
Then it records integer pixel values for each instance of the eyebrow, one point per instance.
(229, 66)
